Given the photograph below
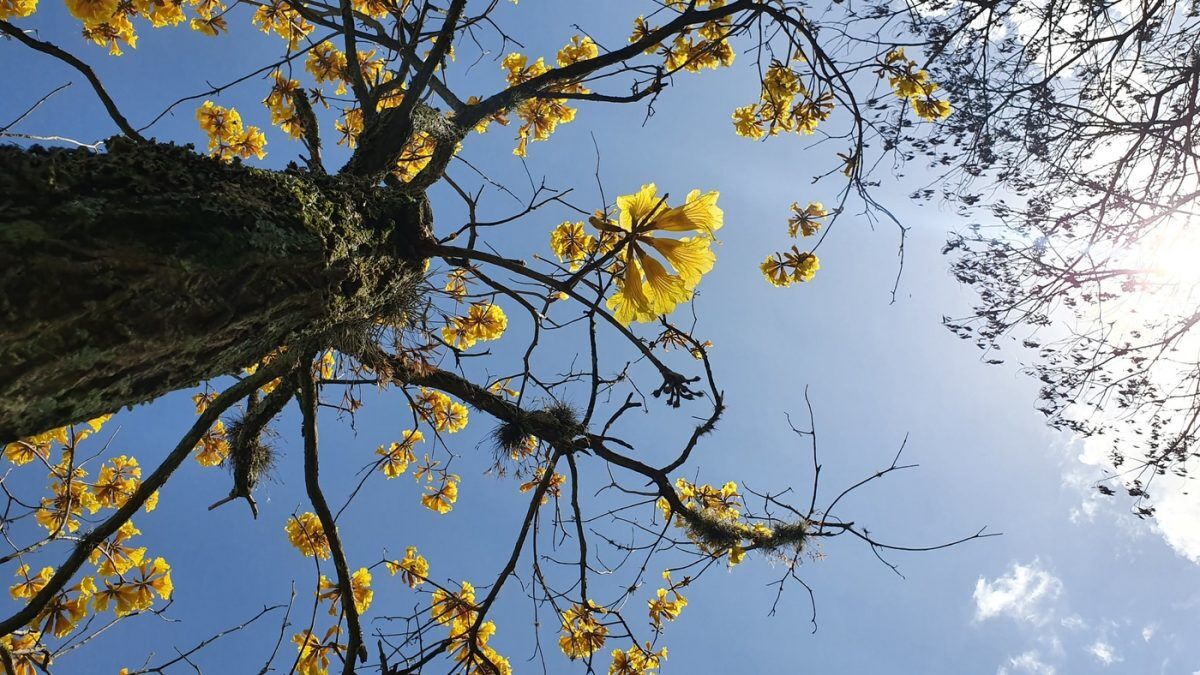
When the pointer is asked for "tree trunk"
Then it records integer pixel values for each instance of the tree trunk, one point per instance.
(133, 273)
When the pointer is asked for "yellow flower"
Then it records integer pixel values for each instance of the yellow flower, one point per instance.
(117, 481)
(26, 656)
(788, 267)
(15, 9)
(24, 590)
(553, 488)
(439, 410)
(314, 654)
(807, 220)
(413, 569)
(112, 557)
(285, 21)
(360, 588)
(484, 321)
(307, 535)
(66, 609)
(456, 283)
(441, 497)
(636, 660)
(451, 607)
(572, 244)
(135, 591)
(662, 608)
(582, 634)
(416, 155)
(213, 448)
(579, 49)
(645, 289)
(397, 456)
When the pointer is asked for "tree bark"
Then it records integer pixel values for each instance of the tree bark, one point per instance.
(148, 268)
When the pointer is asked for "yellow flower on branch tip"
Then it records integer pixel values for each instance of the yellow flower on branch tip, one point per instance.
(313, 658)
(441, 498)
(30, 586)
(471, 649)
(398, 456)
(307, 535)
(450, 607)
(456, 283)
(636, 660)
(484, 321)
(280, 17)
(553, 488)
(66, 609)
(112, 557)
(360, 588)
(582, 634)
(806, 221)
(788, 267)
(438, 410)
(23, 647)
(579, 49)
(645, 289)
(213, 447)
(413, 569)
(572, 244)
(16, 9)
(661, 608)
(135, 592)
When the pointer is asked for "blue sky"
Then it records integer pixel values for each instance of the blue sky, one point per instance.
(1075, 585)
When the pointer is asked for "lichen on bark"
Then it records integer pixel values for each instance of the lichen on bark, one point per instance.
(128, 274)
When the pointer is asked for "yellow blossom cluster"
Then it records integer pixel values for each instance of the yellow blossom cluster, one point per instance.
(795, 266)
(129, 588)
(669, 609)
(227, 138)
(693, 49)
(572, 244)
(413, 568)
(540, 116)
(912, 84)
(721, 507)
(360, 588)
(441, 486)
(636, 660)
(307, 535)
(789, 267)
(15, 9)
(134, 591)
(468, 642)
(27, 658)
(645, 289)
(484, 321)
(806, 221)
(313, 658)
(582, 633)
(281, 105)
(457, 281)
(397, 456)
(71, 492)
(280, 17)
(785, 105)
(439, 410)
(553, 488)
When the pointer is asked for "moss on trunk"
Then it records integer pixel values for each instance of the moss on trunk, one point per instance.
(149, 268)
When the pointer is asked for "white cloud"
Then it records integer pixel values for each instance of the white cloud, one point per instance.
(1104, 652)
(1176, 510)
(1074, 622)
(1025, 594)
(1029, 662)
(1148, 632)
